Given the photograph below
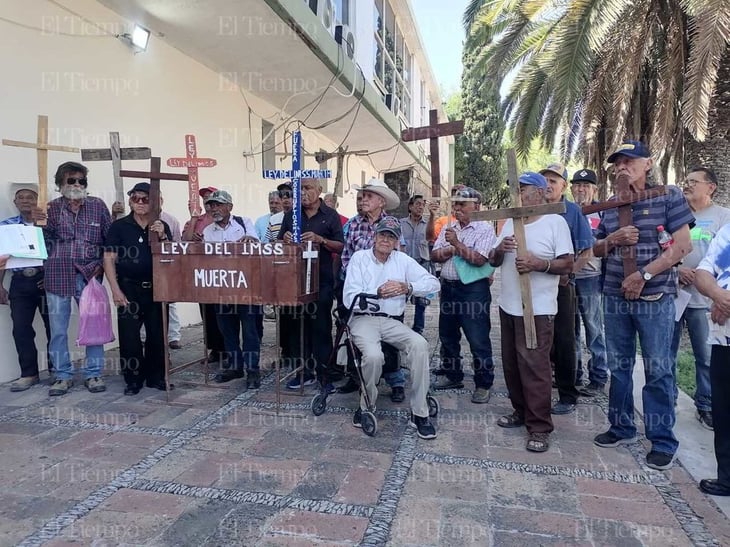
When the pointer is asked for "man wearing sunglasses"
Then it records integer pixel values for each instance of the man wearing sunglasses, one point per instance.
(77, 225)
(128, 268)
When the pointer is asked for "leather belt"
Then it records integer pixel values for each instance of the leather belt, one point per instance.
(143, 284)
(28, 272)
(396, 317)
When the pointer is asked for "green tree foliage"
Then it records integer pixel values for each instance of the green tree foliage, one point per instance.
(481, 144)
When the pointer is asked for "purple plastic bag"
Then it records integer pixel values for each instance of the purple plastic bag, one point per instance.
(95, 316)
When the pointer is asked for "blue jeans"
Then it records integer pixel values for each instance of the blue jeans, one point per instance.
(419, 317)
(466, 307)
(59, 312)
(653, 322)
(699, 330)
(229, 317)
(588, 300)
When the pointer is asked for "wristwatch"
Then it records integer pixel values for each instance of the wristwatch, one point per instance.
(646, 275)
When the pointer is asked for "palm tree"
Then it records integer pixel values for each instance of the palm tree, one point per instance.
(588, 73)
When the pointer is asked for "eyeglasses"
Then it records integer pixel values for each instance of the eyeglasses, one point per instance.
(82, 181)
(140, 199)
(692, 182)
(284, 194)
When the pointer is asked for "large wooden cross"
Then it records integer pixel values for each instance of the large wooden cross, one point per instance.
(625, 196)
(42, 147)
(192, 162)
(154, 176)
(518, 213)
(432, 132)
(116, 154)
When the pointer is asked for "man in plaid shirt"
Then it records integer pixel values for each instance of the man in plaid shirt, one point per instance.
(75, 232)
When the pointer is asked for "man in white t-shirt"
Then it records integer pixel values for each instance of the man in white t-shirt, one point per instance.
(226, 227)
(713, 280)
(698, 188)
(549, 254)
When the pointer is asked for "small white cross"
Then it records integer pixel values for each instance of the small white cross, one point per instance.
(309, 255)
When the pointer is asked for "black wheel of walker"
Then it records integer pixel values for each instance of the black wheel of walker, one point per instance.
(319, 404)
(433, 406)
(369, 423)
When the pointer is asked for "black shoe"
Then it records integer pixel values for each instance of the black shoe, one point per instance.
(132, 389)
(357, 418)
(253, 379)
(397, 394)
(161, 385)
(610, 439)
(591, 390)
(714, 487)
(705, 419)
(659, 460)
(350, 387)
(228, 375)
(563, 408)
(425, 428)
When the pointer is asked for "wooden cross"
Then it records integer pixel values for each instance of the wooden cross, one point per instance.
(625, 196)
(309, 254)
(154, 176)
(116, 154)
(432, 132)
(192, 162)
(518, 213)
(42, 147)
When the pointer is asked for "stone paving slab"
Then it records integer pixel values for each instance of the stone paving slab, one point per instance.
(219, 467)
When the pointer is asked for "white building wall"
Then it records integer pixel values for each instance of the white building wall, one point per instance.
(94, 84)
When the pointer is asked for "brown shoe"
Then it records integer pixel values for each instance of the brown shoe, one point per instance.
(175, 344)
(21, 384)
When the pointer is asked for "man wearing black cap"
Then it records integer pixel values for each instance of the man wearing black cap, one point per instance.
(26, 295)
(642, 304)
(588, 300)
(128, 267)
(393, 276)
(563, 351)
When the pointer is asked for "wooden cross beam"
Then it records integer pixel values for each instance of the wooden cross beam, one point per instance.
(625, 196)
(518, 213)
(432, 132)
(192, 162)
(116, 154)
(154, 176)
(42, 147)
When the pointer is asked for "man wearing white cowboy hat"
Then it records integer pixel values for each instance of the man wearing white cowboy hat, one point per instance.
(26, 295)
(376, 199)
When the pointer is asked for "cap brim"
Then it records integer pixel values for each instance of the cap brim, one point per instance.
(553, 172)
(613, 157)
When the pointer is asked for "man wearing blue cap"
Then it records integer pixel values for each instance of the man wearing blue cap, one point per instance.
(128, 268)
(549, 255)
(641, 303)
(563, 352)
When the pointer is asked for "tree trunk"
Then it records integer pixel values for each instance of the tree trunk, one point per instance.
(715, 150)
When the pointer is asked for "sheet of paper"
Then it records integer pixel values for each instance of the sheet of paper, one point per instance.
(680, 303)
(15, 262)
(22, 241)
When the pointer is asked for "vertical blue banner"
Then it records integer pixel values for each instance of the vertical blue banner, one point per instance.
(296, 182)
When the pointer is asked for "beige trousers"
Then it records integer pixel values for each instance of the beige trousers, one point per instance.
(367, 333)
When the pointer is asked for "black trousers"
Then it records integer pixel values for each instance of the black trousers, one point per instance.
(563, 351)
(720, 384)
(140, 364)
(213, 334)
(316, 318)
(25, 299)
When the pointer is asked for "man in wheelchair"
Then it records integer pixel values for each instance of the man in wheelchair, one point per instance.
(394, 277)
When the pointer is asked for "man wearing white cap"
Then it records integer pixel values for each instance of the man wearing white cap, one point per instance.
(26, 295)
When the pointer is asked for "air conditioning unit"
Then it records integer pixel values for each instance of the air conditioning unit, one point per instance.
(346, 38)
(326, 13)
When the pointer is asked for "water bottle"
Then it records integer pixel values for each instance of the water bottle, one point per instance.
(665, 238)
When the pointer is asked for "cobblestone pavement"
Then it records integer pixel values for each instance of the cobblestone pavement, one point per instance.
(220, 467)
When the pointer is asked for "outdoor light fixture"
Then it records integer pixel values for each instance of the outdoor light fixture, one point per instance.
(138, 40)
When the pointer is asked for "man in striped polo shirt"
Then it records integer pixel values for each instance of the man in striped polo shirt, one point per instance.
(642, 303)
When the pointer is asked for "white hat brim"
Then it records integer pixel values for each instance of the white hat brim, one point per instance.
(392, 201)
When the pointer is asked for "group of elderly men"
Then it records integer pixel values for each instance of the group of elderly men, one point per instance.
(571, 261)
